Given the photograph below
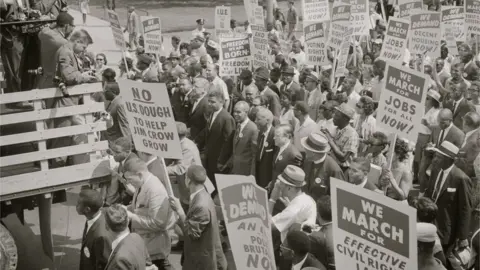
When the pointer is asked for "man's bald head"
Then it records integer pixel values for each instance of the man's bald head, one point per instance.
(445, 118)
(266, 114)
(243, 106)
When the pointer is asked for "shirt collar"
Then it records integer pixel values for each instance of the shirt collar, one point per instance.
(362, 185)
(300, 264)
(448, 129)
(320, 160)
(267, 131)
(195, 193)
(468, 134)
(447, 171)
(119, 239)
(152, 160)
(290, 84)
(244, 123)
(283, 148)
(91, 221)
(458, 102)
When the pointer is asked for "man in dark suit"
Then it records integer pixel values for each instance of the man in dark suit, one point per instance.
(446, 131)
(471, 146)
(321, 238)
(96, 242)
(242, 161)
(196, 119)
(217, 136)
(181, 104)
(285, 153)
(290, 86)
(117, 127)
(261, 81)
(202, 248)
(299, 243)
(459, 105)
(319, 166)
(128, 249)
(451, 189)
(266, 147)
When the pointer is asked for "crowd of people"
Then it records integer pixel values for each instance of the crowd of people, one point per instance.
(289, 127)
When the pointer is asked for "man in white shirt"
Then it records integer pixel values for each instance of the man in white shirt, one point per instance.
(200, 29)
(325, 111)
(300, 207)
(212, 77)
(304, 126)
(348, 87)
(298, 54)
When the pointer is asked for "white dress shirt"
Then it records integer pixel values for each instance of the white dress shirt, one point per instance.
(91, 221)
(214, 116)
(444, 178)
(302, 131)
(328, 124)
(219, 82)
(299, 57)
(282, 149)
(353, 99)
(299, 265)
(197, 101)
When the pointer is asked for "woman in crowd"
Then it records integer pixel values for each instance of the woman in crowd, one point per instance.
(100, 64)
(364, 123)
(398, 180)
(286, 114)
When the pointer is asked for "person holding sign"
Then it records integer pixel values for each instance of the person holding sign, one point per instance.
(133, 28)
(150, 212)
(202, 248)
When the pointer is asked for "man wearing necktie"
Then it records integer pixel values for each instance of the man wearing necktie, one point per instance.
(459, 105)
(266, 146)
(96, 242)
(445, 131)
(244, 149)
(450, 188)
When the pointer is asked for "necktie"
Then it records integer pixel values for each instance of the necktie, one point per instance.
(85, 231)
(136, 197)
(262, 139)
(438, 185)
(237, 133)
(440, 139)
(454, 106)
(210, 120)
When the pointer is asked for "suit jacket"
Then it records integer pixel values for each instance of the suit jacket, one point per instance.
(190, 156)
(96, 246)
(196, 121)
(454, 205)
(244, 150)
(455, 135)
(317, 176)
(202, 247)
(150, 76)
(50, 41)
(273, 101)
(68, 67)
(217, 140)
(120, 127)
(290, 156)
(463, 108)
(153, 217)
(468, 153)
(322, 246)
(311, 261)
(264, 159)
(181, 107)
(130, 254)
(133, 23)
(295, 90)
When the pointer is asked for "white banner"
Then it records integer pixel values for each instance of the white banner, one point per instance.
(222, 20)
(235, 55)
(316, 11)
(395, 42)
(425, 33)
(453, 17)
(116, 30)
(152, 34)
(360, 17)
(472, 17)
(315, 41)
(340, 23)
(260, 49)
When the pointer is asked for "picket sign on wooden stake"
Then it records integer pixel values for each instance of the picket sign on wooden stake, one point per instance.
(124, 57)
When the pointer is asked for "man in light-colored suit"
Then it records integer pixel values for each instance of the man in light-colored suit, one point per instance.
(244, 150)
(133, 28)
(471, 146)
(51, 39)
(128, 249)
(202, 249)
(150, 211)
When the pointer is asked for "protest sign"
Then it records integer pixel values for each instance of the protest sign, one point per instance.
(360, 18)
(340, 23)
(152, 37)
(222, 20)
(451, 42)
(315, 40)
(245, 211)
(454, 17)
(260, 49)
(259, 23)
(402, 101)
(116, 29)
(235, 55)
(395, 42)
(371, 231)
(342, 58)
(285, 46)
(316, 11)
(472, 17)
(406, 7)
(250, 9)
(425, 33)
(150, 118)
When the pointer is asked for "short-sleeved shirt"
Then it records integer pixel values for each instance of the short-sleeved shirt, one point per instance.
(302, 131)
(301, 209)
(347, 140)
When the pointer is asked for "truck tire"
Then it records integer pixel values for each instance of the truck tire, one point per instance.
(8, 250)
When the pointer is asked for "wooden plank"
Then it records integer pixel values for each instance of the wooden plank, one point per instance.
(54, 177)
(89, 119)
(49, 93)
(53, 153)
(42, 143)
(52, 133)
(50, 113)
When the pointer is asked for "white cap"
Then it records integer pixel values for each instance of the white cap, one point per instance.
(426, 232)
